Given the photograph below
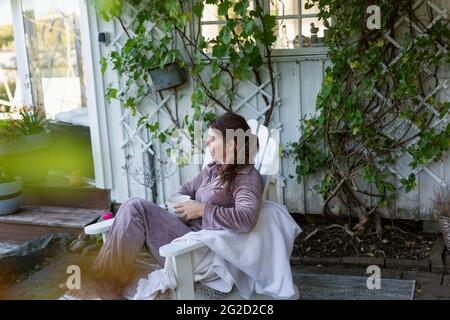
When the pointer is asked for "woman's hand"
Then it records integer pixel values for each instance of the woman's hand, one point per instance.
(190, 210)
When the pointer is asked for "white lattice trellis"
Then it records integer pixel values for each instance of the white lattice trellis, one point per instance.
(442, 85)
(136, 142)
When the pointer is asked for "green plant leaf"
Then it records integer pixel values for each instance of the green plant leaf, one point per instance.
(241, 7)
(104, 65)
(223, 8)
(198, 8)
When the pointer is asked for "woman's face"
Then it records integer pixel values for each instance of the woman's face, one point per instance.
(215, 143)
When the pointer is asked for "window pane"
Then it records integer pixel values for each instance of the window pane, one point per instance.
(54, 52)
(283, 7)
(9, 83)
(312, 32)
(210, 32)
(287, 34)
(313, 10)
(210, 13)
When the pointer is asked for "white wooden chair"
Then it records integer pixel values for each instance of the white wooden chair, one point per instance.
(267, 163)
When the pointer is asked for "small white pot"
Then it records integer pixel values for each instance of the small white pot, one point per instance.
(10, 196)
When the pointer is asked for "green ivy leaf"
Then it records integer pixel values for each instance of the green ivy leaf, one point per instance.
(111, 93)
(214, 83)
(153, 127)
(104, 65)
(248, 25)
(197, 8)
(108, 8)
(219, 50)
(162, 137)
(269, 22)
(248, 47)
(202, 44)
(309, 5)
(226, 35)
(241, 7)
(268, 38)
(224, 7)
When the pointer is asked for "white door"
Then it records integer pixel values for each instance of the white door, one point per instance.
(53, 67)
(14, 81)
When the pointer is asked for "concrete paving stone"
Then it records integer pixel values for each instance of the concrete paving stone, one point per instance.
(322, 261)
(296, 261)
(436, 259)
(363, 261)
(391, 274)
(447, 262)
(441, 293)
(408, 264)
(44, 284)
(446, 280)
(346, 271)
(423, 279)
(423, 296)
(309, 269)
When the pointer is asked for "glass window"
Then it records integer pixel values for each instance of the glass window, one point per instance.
(293, 22)
(10, 94)
(211, 23)
(52, 30)
(292, 16)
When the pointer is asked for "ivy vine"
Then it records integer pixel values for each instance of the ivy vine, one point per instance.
(238, 52)
(377, 102)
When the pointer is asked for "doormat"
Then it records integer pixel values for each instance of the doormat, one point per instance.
(313, 286)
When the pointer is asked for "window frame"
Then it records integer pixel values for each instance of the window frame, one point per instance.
(278, 54)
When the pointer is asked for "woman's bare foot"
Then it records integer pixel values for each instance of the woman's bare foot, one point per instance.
(96, 290)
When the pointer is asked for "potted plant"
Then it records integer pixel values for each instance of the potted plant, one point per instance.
(441, 207)
(26, 141)
(33, 124)
(10, 193)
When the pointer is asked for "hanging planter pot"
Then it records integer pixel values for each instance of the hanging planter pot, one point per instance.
(171, 76)
(10, 196)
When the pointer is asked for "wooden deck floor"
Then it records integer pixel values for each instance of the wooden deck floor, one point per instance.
(34, 221)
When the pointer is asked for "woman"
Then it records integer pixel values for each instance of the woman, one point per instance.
(226, 193)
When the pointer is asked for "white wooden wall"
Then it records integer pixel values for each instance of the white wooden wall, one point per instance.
(299, 82)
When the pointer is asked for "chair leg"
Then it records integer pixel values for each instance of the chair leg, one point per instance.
(105, 236)
(184, 275)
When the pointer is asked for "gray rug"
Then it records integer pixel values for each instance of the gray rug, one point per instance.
(314, 286)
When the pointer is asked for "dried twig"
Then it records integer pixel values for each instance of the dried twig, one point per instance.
(311, 234)
(350, 233)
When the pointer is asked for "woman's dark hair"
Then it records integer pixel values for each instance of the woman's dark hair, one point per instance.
(234, 121)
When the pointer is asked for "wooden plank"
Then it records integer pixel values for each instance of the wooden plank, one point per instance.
(96, 102)
(311, 75)
(407, 204)
(120, 189)
(171, 183)
(55, 217)
(24, 232)
(290, 113)
(66, 197)
(427, 188)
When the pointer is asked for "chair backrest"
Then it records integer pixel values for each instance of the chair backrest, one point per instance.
(266, 161)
